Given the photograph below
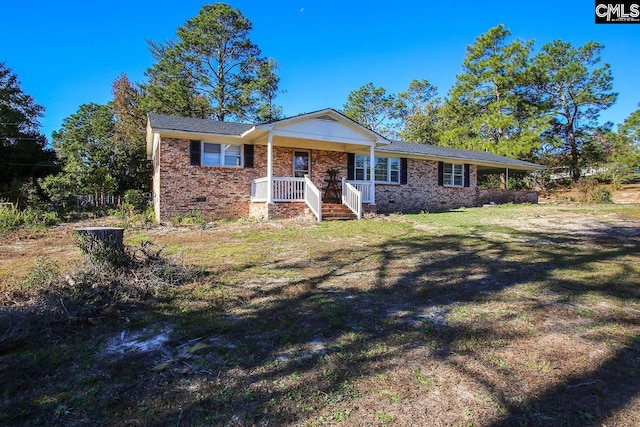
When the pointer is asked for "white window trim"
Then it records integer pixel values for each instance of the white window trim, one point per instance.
(366, 169)
(453, 175)
(293, 166)
(222, 151)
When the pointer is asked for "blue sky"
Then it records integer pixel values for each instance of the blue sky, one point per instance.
(68, 53)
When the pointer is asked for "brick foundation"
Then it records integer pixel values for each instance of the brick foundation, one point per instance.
(498, 196)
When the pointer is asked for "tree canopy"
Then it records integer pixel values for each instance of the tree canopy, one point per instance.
(574, 89)
(212, 70)
(373, 108)
(490, 107)
(25, 155)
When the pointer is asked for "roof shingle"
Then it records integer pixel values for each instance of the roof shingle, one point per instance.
(412, 148)
(188, 124)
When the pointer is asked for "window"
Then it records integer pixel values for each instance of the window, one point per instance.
(386, 169)
(453, 175)
(362, 168)
(226, 155)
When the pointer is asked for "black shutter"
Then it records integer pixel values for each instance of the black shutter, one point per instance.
(194, 152)
(248, 156)
(440, 173)
(403, 170)
(351, 159)
(466, 175)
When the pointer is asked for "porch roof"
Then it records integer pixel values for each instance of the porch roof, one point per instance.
(435, 152)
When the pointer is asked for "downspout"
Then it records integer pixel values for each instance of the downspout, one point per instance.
(506, 181)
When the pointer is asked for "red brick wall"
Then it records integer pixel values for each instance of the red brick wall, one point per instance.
(422, 192)
(227, 191)
(496, 195)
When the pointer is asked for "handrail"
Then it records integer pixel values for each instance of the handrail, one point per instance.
(365, 189)
(352, 198)
(313, 198)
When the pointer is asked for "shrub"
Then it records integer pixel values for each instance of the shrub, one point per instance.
(190, 218)
(12, 218)
(602, 195)
(9, 219)
(135, 200)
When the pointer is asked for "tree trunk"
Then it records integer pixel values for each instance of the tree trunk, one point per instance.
(102, 244)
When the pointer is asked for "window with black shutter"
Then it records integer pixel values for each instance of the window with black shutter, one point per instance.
(194, 152)
(403, 170)
(248, 156)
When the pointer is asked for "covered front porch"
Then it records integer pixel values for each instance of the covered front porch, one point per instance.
(306, 163)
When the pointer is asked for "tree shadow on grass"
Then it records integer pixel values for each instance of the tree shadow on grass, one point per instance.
(298, 347)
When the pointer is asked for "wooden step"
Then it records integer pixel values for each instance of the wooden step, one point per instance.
(336, 211)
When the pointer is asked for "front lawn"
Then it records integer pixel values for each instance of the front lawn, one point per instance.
(514, 315)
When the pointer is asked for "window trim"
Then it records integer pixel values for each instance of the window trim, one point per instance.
(293, 166)
(367, 169)
(453, 175)
(223, 150)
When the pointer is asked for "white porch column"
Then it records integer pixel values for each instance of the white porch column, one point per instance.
(270, 169)
(372, 175)
(506, 181)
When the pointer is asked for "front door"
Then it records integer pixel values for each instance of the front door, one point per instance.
(301, 163)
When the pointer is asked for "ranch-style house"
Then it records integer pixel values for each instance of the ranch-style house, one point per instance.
(318, 165)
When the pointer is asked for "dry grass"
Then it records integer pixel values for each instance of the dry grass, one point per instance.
(517, 315)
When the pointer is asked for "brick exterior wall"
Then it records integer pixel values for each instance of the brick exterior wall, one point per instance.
(225, 193)
(498, 196)
(422, 192)
(217, 192)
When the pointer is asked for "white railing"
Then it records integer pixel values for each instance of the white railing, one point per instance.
(364, 187)
(288, 189)
(259, 188)
(352, 197)
(313, 198)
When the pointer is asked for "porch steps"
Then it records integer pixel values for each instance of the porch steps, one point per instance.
(336, 212)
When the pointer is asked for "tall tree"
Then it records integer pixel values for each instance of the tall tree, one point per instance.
(420, 112)
(630, 128)
(575, 89)
(85, 146)
(130, 137)
(24, 153)
(490, 107)
(375, 109)
(212, 69)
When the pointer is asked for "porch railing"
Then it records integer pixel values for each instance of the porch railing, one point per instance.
(259, 188)
(313, 198)
(352, 197)
(284, 189)
(364, 187)
(288, 189)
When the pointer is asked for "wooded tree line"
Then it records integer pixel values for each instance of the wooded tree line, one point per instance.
(539, 106)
